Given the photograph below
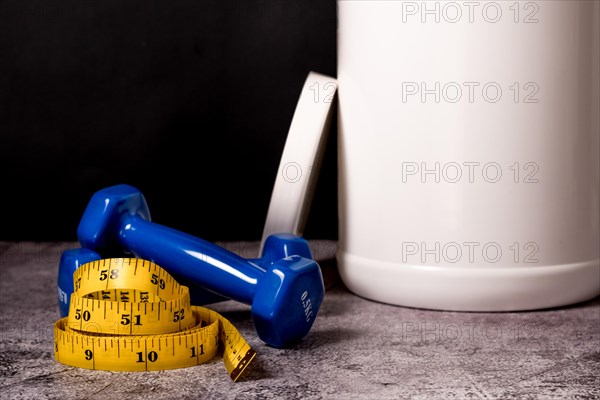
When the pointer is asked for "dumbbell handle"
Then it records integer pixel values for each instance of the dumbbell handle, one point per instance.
(200, 262)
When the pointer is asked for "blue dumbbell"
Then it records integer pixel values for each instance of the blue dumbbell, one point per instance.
(69, 262)
(284, 286)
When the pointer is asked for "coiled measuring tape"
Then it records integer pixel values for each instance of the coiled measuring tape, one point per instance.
(128, 314)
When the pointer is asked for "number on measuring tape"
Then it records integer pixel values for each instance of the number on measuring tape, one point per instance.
(178, 315)
(126, 319)
(156, 280)
(152, 356)
(114, 274)
(86, 314)
(194, 351)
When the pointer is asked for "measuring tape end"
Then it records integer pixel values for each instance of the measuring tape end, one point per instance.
(242, 365)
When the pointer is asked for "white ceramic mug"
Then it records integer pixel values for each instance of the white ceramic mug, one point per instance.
(469, 152)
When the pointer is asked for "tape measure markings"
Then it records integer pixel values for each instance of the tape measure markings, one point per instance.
(96, 306)
(119, 275)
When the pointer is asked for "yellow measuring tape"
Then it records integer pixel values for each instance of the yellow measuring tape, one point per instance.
(128, 314)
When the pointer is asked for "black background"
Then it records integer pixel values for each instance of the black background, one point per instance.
(190, 101)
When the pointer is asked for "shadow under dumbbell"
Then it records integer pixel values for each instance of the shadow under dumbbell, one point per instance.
(328, 337)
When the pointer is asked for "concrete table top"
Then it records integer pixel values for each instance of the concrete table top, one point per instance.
(358, 349)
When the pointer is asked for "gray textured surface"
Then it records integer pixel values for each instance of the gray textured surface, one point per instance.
(357, 349)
